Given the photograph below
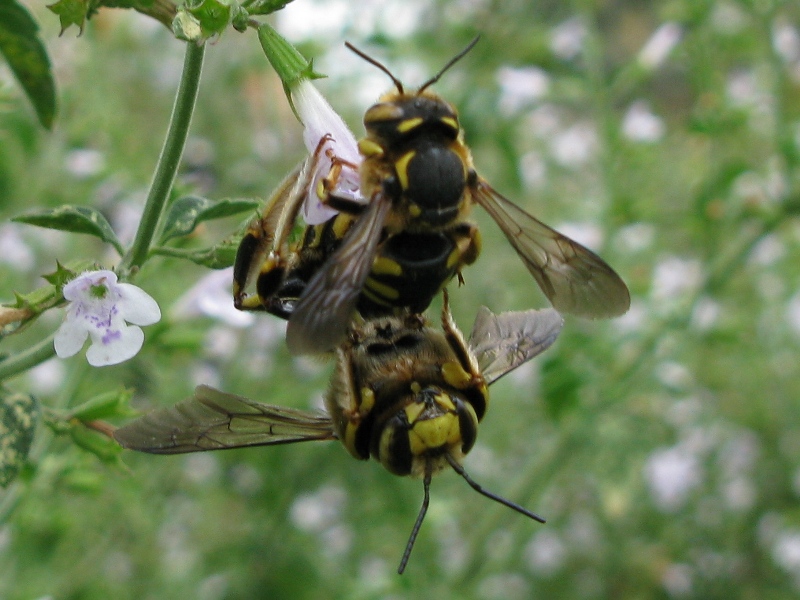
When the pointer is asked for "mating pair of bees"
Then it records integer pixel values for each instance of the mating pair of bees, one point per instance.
(404, 392)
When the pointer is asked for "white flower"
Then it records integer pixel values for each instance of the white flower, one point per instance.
(99, 308)
(320, 121)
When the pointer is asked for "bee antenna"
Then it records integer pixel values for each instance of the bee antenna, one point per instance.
(372, 61)
(477, 487)
(426, 486)
(450, 63)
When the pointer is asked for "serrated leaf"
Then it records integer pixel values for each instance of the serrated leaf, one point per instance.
(77, 219)
(27, 57)
(186, 213)
(19, 414)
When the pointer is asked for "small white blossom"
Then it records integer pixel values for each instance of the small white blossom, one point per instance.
(321, 121)
(99, 308)
(658, 48)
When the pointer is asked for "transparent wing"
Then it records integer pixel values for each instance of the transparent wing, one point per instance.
(573, 278)
(214, 420)
(503, 342)
(325, 309)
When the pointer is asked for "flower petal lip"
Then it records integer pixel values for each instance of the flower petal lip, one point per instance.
(70, 337)
(98, 309)
(137, 306)
(124, 345)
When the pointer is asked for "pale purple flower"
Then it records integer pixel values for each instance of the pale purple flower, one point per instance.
(100, 308)
(320, 121)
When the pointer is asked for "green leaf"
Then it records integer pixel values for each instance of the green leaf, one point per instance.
(77, 219)
(186, 213)
(27, 57)
(102, 446)
(105, 406)
(220, 256)
(19, 414)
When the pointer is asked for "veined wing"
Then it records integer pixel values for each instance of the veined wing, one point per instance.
(325, 309)
(214, 420)
(573, 278)
(503, 342)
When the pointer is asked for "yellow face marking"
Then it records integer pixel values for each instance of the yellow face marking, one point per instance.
(382, 289)
(386, 266)
(401, 168)
(431, 434)
(414, 210)
(409, 124)
(413, 411)
(369, 148)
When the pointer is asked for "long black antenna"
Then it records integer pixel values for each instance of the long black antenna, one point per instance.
(452, 61)
(426, 485)
(476, 486)
(372, 61)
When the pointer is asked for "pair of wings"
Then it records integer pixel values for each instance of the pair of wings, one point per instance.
(574, 279)
(215, 420)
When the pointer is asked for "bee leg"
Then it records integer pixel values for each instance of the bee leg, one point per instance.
(465, 373)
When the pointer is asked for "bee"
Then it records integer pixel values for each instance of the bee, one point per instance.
(400, 272)
(418, 185)
(403, 392)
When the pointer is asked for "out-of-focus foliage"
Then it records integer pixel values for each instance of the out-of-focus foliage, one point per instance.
(663, 447)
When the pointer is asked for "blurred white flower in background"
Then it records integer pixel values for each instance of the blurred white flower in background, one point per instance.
(640, 125)
(672, 474)
(575, 145)
(658, 48)
(83, 163)
(566, 40)
(521, 87)
(674, 277)
(211, 296)
(100, 308)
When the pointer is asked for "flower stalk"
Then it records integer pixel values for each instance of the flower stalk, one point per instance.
(168, 161)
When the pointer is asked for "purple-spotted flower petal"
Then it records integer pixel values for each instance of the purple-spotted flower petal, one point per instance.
(100, 308)
(321, 121)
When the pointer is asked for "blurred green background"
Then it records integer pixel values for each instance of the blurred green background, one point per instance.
(663, 447)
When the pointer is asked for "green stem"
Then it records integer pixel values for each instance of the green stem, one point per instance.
(169, 160)
(14, 365)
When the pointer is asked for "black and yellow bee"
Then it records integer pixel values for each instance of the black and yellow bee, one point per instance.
(403, 392)
(410, 236)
